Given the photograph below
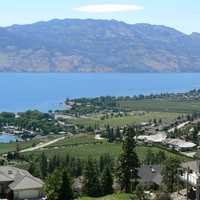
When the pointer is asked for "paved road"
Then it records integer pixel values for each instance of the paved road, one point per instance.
(42, 145)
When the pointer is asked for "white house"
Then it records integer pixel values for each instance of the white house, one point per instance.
(19, 184)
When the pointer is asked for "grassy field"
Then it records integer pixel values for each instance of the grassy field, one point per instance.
(119, 196)
(10, 147)
(162, 105)
(76, 140)
(126, 120)
(5, 148)
(75, 148)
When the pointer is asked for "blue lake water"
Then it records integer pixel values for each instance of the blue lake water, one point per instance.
(45, 91)
(6, 138)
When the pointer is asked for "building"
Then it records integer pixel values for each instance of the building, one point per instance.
(180, 145)
(19, 184)
(155, 138)
(150, 175)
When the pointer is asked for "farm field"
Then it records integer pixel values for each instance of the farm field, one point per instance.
(75, 140)
(162, 105)
(126, 120)
(95, 150)
(120, 196)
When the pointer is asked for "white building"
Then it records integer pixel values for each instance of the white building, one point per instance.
(180, 145)
(156, 138)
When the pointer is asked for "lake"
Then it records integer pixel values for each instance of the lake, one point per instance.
(7, 138)
(45, 91)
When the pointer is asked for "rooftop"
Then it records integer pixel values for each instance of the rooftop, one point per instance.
(19, 178)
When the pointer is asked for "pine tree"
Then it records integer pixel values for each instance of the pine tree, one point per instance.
(111, 135)
(149, 158)
(104, 161)
(66, 192)
(33, 169)
(160, 157)
(118, 134)
(17, 153)
(58, 185)
(169, 173)
(91, 186)
(128, 161)
(43, 166)
(107, 181)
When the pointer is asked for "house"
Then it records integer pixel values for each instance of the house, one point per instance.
(150, 175)
(19, 184)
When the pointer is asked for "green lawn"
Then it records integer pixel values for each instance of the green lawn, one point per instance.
(162, 105)
(119, 196)
(126, 120)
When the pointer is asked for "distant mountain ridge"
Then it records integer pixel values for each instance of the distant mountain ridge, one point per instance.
(74, 45)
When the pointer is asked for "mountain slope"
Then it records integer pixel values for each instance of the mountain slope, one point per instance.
(74, 45)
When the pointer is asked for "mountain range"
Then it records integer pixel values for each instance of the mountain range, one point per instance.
(74, 45)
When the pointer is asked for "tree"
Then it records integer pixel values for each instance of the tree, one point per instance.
(58, 185)
(118, 133)
(104, 161)
(17, 153)
(43, 166)
(160, 157)
(33, 169)
(111, 135)
(66, 192)
(149, 158)
(91, 184)
(128, 161)
(140, 192)
(169, 173)
(107, 181)
(195, 135)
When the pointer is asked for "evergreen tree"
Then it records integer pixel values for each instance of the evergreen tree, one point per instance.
(118, 134)
(169, 173)
(78, 168)
(107, 181)
(160, 157)
(140, 192)
(195, 135)
(58, 186)
(33, 169)
(91, 185)
(104, 161)
(66, 192)
(128, 161)
(17, 153)
(43, 166)
(149, 158)
(111, 135)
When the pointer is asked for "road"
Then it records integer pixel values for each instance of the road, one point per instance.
(42, 145)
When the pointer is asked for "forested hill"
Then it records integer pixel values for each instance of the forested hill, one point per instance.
(74, 45)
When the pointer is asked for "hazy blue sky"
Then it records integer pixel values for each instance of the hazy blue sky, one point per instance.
(183, 15)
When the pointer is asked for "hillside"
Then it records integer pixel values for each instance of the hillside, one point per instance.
(73, 45)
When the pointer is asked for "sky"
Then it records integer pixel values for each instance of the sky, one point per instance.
(183, 15)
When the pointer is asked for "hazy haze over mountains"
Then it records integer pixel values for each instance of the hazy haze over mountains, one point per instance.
(74, 45)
